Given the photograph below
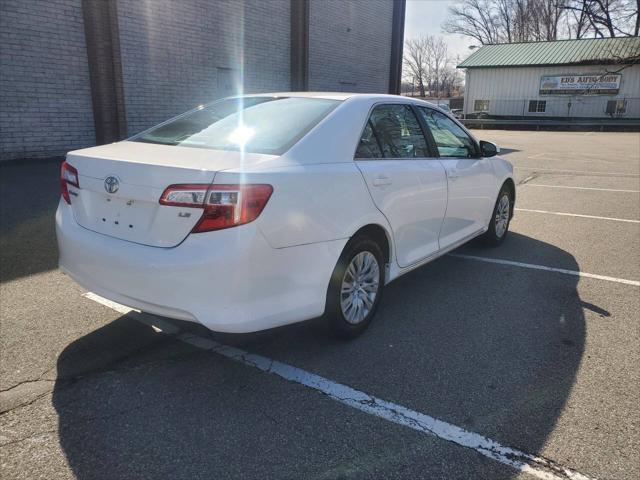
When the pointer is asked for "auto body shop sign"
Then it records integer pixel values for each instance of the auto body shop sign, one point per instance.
(580, 84)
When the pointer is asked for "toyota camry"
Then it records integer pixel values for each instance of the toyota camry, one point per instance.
(259, 211)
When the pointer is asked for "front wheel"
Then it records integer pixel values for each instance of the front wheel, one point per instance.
(499, 223)
(355, 288)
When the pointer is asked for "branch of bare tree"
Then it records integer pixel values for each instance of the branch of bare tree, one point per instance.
(506, 21)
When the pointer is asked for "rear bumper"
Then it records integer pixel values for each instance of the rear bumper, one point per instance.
(230, 280)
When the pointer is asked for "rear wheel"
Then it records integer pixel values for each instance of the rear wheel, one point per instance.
(499, 224)
(355, 288)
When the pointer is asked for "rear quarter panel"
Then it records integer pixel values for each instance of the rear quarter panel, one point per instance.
(311, 203)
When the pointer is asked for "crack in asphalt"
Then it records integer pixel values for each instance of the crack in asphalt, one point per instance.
(66, 382)
(25, 382)
(26, 403)
(28, 437)
(39, 378)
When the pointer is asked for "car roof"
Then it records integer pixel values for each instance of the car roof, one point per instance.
(368, 98)
(341, 96)
(331, 95)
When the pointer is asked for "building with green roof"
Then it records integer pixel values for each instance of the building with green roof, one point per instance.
(589, 78)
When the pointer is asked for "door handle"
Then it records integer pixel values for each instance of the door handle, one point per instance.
(452, 173)
(381, 180)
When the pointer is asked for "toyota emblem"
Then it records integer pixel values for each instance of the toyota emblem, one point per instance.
(111, 184)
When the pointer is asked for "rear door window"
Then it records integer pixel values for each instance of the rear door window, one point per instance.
(396, 131)
(368, 146)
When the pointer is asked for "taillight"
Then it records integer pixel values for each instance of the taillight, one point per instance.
(224, 205)
(68, 176)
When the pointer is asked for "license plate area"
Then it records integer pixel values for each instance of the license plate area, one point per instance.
(121, 213)
(118, 216)
(133, 213)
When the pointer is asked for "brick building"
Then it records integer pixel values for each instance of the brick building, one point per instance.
(75, 73)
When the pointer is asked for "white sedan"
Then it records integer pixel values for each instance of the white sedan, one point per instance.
(264, 210)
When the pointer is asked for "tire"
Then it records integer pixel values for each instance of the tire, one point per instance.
(500, 219)
(361, 256)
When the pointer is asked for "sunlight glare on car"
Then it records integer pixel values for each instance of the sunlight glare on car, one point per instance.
(241, 135)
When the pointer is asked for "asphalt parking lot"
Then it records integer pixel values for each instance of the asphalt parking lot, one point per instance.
(534, 346)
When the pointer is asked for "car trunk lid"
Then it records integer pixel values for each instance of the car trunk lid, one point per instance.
(121, 184)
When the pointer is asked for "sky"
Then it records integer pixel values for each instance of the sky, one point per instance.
(425, 17)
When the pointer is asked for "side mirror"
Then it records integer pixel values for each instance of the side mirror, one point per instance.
(489, 149)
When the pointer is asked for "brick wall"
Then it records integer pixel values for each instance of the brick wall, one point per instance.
(45, 98)
(350, 45)
(176, 55)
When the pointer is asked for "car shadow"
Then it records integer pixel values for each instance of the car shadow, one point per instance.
(491, 348)
(507, 151)
(30, 194)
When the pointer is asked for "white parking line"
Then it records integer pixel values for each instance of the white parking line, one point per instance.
(627, 220)
(539, 467)
(581, 188)
(527, 180)
(547, 269)
(611, 174)
(108, 303)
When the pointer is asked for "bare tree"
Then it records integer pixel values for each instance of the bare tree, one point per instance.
(450, 79)
(439, 61)
(577, 24)
(506, 21)
(521, 20)
(548, 14)
(608, 18)
(479, 19)
(428, 65)
(416, 62)
(505, 12)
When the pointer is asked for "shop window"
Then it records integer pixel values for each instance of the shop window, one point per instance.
(537, 106)
(481, 106)
(616, 107)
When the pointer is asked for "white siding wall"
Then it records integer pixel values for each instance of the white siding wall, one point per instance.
(510, 89)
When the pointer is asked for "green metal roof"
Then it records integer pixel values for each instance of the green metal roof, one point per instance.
(561, 52)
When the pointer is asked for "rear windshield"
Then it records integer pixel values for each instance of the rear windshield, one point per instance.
(254, 124)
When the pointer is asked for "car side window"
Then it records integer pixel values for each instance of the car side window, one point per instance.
(368, 146)
(451, 140)
(397, 131)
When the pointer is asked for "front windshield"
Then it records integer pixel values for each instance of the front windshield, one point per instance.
(254, 124)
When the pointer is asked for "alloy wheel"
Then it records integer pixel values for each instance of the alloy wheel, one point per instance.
(359, 288)
(502, 216)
